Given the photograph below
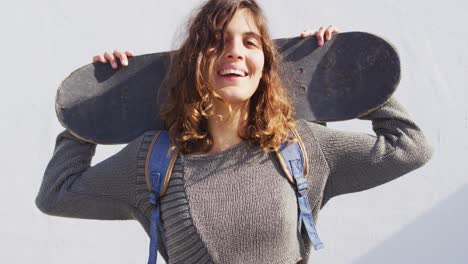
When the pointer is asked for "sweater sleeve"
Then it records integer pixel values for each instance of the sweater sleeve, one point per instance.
(359, 161)
(72, 188)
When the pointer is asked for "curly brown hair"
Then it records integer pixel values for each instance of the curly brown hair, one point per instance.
(270, 114)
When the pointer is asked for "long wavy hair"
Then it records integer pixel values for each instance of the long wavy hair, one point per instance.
(190, 102)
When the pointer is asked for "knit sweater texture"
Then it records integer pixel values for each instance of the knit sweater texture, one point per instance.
(234, 206)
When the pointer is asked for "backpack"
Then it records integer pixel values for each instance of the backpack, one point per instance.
(158, 169)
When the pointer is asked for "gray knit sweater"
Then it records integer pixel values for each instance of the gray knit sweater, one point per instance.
(235, 206)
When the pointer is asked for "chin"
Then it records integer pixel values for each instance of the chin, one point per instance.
(234, 97)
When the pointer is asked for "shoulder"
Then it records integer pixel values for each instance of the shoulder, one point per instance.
(308, 130)
(318, 140)
(308, 125)
(143, 142)
(311, 134)
(144, 139)
(137, 149)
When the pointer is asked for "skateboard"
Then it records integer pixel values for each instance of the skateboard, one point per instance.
(347, 77)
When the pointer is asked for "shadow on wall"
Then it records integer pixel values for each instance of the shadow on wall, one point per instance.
(425, 240)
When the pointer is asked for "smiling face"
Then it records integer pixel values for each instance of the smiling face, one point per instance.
(239, 67)
(199, 67)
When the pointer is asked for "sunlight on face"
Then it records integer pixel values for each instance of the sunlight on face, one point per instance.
(239, 67)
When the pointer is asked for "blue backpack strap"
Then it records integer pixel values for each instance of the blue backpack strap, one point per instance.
(293, 160)
(158, 168)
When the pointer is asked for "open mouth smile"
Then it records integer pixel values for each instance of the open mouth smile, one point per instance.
(232, 73)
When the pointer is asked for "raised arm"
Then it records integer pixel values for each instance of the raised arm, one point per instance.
(359, 161)
(72, 188)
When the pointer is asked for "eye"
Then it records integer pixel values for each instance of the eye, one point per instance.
(251, 43)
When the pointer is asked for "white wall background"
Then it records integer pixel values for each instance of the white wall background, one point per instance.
(419, 218)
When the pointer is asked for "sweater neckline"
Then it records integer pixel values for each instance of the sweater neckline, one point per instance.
(220, 154)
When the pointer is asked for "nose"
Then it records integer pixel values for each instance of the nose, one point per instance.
(234, 50)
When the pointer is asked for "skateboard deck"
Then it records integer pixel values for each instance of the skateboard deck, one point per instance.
(351, 75)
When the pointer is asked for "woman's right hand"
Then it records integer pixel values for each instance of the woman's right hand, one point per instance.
(112, 57)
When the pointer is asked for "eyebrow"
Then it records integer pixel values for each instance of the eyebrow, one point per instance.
(250, 34)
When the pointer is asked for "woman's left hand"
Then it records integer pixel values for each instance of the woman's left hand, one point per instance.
(323, 34)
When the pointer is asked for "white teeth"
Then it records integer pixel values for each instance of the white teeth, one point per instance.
(233, 71)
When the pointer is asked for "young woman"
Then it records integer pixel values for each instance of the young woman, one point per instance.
(228, 200)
